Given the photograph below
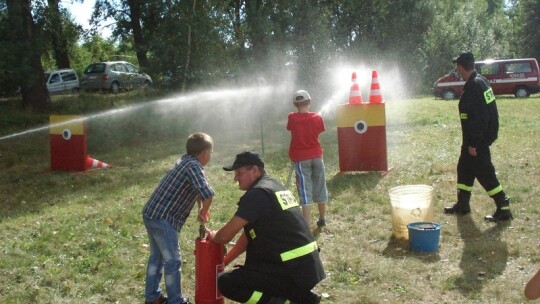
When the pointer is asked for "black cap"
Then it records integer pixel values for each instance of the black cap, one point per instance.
(464, 58)
(248, 158)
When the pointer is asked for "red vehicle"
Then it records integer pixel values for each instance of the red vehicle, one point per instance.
(508, 76)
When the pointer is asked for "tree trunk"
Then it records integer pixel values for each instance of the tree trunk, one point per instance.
(256, 21)
(33, 89)
(58, 40)
(188, 53)
(135, 20)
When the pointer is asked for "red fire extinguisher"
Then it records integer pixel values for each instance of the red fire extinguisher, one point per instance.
(208, 264)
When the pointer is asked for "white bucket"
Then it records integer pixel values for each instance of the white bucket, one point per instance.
(411, 203)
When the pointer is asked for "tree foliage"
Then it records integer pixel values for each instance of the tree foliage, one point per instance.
(201, 42)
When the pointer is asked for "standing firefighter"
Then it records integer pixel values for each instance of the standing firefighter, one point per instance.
(479, 126)
(282, 258)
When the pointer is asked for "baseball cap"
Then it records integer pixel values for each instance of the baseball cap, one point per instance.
(248, 158)
(301, 96)
(464, 58)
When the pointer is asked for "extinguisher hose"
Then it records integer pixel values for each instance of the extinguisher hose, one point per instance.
(202, 231)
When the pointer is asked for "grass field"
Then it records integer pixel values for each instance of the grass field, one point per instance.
(78, 237)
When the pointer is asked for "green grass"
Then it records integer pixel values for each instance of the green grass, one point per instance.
(78, 237)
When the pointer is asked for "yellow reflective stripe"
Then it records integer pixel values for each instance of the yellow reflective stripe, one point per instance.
(464, 187)
(298, 252)
(463, 116)
(286, 199)
(505, 208)
(252, 234)
(255, 297)
(495, 191)
(489, 96)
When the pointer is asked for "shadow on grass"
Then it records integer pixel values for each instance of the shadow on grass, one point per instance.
(484, 255)
(343, 182)
(399, 248)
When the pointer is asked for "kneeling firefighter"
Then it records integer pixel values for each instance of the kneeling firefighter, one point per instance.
(282, 262)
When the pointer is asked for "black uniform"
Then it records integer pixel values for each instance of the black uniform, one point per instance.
(282, 257)
(480, 127)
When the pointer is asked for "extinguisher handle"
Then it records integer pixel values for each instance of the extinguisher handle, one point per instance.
(202, 231)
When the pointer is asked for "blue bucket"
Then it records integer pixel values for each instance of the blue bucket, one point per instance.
(424, 236)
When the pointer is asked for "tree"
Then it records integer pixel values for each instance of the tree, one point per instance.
(128, 17)
(24, 44)
(529, 33)
(461, 27)
(56, 33)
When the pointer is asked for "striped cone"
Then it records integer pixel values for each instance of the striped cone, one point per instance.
(375, 92)
(354, 96)
(94, 163)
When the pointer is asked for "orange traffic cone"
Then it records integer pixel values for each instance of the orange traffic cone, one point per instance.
(375, 92)
(94, 163)
(354, 96)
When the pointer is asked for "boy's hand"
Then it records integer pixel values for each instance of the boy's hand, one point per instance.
(204, 216)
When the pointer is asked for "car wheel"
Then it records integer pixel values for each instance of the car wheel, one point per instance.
(75, 90)
(448, 95)
(521, 92)
(115, 87)
(146, 84)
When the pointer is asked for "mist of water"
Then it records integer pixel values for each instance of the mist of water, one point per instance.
(236, 113)
(220, 101)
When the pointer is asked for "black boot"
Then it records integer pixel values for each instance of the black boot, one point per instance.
(502, 213)
(462, 206)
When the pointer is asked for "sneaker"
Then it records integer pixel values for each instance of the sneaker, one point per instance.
(161, 300)
(321, 223)
(461, 209)
(499, 215)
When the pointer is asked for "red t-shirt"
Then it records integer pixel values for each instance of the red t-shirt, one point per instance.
(305, 129)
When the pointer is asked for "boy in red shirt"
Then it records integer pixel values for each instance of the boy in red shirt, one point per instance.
(306, 154)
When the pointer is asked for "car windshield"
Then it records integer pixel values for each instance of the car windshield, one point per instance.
(95, 68)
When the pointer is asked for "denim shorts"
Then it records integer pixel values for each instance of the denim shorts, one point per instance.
(311, 181)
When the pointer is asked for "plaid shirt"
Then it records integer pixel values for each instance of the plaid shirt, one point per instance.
(177, 192)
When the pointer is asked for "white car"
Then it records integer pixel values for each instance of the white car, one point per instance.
(62, 81)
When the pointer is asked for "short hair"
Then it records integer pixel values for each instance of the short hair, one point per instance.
(262, 170)
(468, 66)
(198, 142)
(303, 103)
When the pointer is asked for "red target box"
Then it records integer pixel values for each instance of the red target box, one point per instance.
(362, 137)
(68, 143)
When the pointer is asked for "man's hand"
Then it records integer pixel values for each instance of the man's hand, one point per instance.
(472, 151)
(210, 234)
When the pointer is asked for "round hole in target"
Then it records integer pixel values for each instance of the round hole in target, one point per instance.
(66, 134)
(360, 126)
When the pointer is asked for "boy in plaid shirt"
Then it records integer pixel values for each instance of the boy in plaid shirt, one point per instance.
(167, 210)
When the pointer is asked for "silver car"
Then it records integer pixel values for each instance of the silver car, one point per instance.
(113, 76)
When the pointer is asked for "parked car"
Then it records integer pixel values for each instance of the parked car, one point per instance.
(113, 76)
(510, 76)
(62, 81)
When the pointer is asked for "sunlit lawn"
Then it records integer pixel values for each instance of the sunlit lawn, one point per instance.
(71, 237)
